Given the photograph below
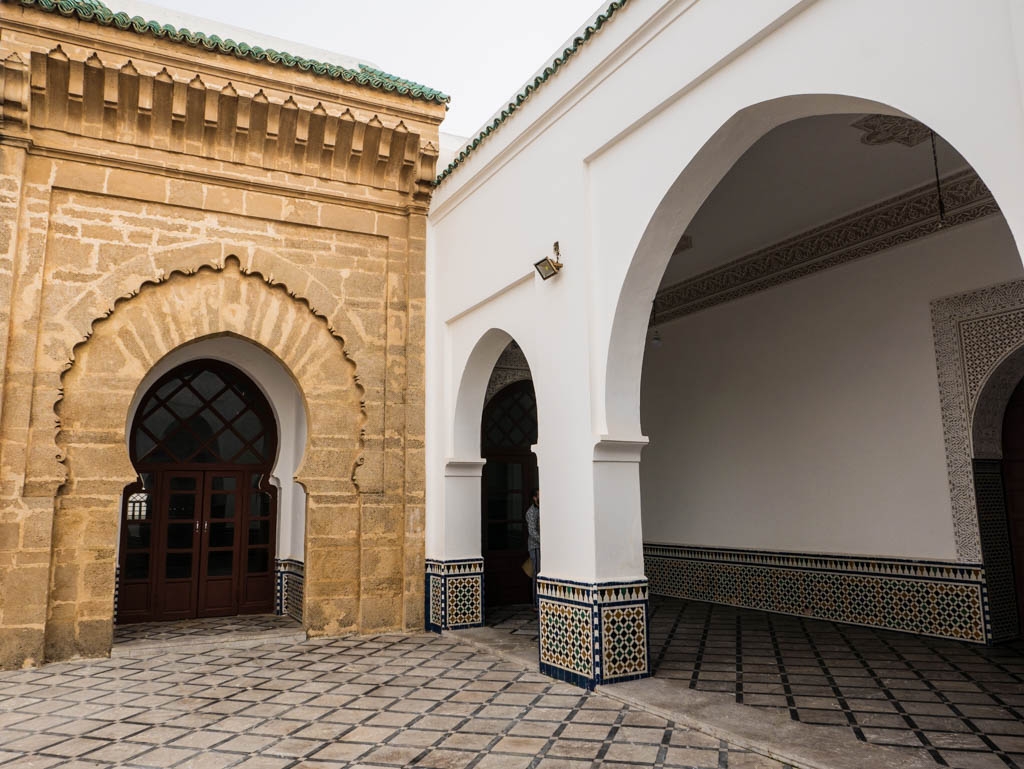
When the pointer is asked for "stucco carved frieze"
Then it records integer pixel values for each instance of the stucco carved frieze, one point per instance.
(891, 129)
(990, 406)
(227, 122)
(888, 224)
(510, 368)
(975, 334)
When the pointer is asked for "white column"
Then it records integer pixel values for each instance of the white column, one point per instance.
(618, 536)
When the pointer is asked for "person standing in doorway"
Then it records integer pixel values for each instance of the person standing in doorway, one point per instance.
(533, 538)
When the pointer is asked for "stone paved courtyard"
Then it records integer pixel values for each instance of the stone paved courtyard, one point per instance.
(386, 701)
(960, 704)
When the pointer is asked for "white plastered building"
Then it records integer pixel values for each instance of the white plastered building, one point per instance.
(779, 366)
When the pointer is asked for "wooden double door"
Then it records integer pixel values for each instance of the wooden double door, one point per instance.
(198, 528)
(200, 546)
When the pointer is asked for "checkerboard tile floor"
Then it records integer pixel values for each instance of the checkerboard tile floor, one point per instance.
(387, 701)
(209, 628)
(962, 703)
(517, 620)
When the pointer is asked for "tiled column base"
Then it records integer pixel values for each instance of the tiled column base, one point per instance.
(291, 581)
(454, 594)
(593, 634)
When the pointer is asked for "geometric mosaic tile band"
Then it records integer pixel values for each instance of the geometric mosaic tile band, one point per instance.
(454, 594)
(593, 633)
(996, 549)
(943, 599)
(974, 333)
(290, 587)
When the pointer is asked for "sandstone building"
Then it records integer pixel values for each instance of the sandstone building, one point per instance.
(780, 368)
(211, 332)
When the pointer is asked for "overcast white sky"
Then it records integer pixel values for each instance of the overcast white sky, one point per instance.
(477, 51)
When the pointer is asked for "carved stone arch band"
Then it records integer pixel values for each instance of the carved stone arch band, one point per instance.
(114, 359)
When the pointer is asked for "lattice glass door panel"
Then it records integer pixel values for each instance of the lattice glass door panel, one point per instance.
(258, 545)
(135, 594)
(206, 413)
(218, 576)
(181, 503)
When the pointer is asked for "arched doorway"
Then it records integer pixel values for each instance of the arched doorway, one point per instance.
(198, 528)
(508, 430)
(1013, 483)
(768, 308)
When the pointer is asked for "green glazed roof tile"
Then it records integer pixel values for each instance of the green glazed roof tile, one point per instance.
(95, 11)
(577, 43)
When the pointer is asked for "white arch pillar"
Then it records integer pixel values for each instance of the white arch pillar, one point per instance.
(454, 564)
(592, 593)
(455, 582)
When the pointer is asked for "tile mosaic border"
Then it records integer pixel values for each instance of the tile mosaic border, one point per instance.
(454, 594)
(593, 633)
(996, 549)
(974, 334)
(290, 582)
(935, 598)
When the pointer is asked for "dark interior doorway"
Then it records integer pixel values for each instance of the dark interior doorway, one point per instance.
(198, 528)
(1013, 484)
(508, 431)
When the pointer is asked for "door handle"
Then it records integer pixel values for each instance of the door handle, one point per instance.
(197, 527)
(206, 525)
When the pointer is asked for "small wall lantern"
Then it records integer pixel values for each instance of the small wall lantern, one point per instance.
(548, 267)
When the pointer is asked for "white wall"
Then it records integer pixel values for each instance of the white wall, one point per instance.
(289, 409)
(806, 417)
(612, 157)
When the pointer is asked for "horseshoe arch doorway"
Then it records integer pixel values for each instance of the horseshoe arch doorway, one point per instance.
(198, 529)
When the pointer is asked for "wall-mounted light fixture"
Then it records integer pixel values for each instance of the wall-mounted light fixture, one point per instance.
(548, 267)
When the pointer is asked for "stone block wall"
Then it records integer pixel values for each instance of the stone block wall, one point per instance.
(153, 194)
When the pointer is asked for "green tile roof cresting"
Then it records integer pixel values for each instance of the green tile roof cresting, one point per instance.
(577, 43)
(96, 12)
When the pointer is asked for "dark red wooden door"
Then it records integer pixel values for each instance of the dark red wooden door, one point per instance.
(198, 529)
(221, 541)
(179, 515)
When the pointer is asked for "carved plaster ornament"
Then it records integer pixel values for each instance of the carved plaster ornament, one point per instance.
(890, 129)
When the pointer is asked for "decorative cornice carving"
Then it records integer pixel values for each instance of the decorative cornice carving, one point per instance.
(888, 224)
(14, 94)
(91, 99)
(511, 367)
(890, 129)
